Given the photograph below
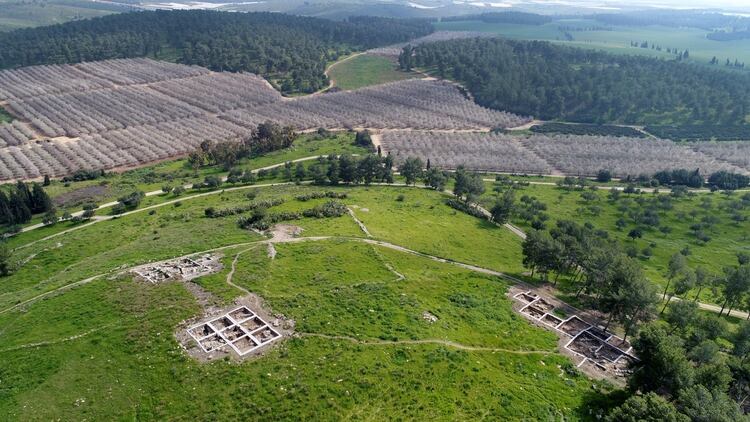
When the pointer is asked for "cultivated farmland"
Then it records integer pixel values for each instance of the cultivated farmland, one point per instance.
(415, 104)
(131, 112)
(585, 155)
(566, 154)
(478, 151)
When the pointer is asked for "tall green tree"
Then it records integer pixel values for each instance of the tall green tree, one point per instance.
(18, 208)
(436, 179)
(662, 367)
(649, 407)
(6, 217)
(411, 169)
(504, 206)
(736, 284)
(677, 263)
(469, 186)
(5, 260)
(40, 201)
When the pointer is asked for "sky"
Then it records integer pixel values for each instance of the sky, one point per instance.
(686, 4)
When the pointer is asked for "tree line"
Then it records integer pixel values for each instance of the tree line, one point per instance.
(291, 49)
(20, 203)
(586, 86)
(700, 132)
(588, 129)
(265, 138)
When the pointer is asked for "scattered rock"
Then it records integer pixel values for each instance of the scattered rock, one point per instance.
(427, 316)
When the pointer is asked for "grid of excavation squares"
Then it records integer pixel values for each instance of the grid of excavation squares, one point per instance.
(593, 344)
(240, 329)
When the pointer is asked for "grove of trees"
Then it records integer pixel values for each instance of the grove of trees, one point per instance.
(20, 203)
(293, 50)
(581, 85)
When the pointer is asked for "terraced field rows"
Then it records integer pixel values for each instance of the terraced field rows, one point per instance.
(131, 112)
(567, 154)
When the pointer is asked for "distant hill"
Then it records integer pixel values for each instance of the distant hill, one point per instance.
(290, 50)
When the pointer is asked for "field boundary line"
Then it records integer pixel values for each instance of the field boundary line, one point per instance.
(58, 341)
(439, 342)
(123, 271)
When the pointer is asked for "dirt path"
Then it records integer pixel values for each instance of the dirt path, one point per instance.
(620, 188)
(58, 290)
(331, 82)
(514, 229)
(359, 223)
(150, 207)
(440, 342)
(160, 192)
(526, 126)
(121, 271)
(51, 342)
(234, 269)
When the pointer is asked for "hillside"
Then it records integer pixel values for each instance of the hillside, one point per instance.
(289, 50)
(581, 85)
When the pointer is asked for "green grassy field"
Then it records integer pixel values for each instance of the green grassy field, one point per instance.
(727, 236)
(15, 15)
(617, 40)
(365, 70)
(106, 350)
(176, 172)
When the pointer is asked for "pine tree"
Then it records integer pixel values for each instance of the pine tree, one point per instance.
(46, 182)
(40, 201)
(5, 215)
(25, 194)
(5, 264)
(20, 212)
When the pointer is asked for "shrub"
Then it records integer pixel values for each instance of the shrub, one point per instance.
(118, 209)
(131, 200)
(329, 209)
(604, 176)
(253, 206)
(728, 181)
(465, 208)
(318, 195)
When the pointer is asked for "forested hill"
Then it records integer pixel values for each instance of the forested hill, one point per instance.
(581, 85)
(292, 50)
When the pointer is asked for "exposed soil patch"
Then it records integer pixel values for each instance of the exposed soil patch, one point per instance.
(595, 351)
(185, 268)
(283, 232)
(81, 196)
(245, 329)
(271, 251)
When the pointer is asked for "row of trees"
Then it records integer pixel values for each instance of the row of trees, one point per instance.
(266, 137)
(588, 129)
(21, 202)
(707, 132)
(613, 282)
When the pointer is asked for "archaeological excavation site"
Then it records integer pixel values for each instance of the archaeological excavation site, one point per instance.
(239, 330)
(180, 269)
(592, 348)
